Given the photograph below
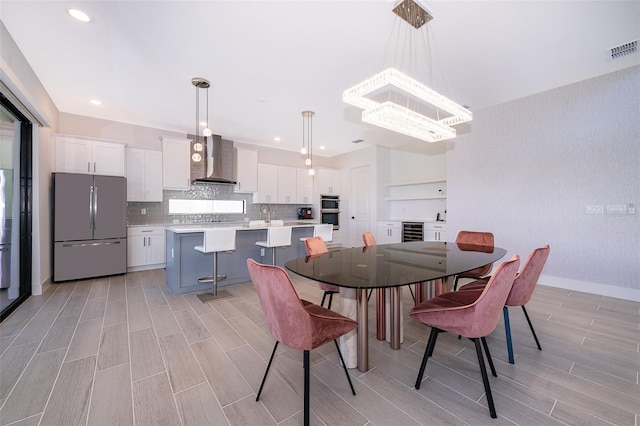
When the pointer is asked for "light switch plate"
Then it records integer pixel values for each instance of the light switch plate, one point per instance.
(616, 209)
(595, 209)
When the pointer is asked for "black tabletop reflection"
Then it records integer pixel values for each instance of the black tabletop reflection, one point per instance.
(392, 265)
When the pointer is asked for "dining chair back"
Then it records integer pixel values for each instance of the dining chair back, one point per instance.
(523, 287)
(216, 240)
(314, 246)
(296, 323)
(475, 238)
(368, 239)
(472, 314)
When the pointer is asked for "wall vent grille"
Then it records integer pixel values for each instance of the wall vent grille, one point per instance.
(624, 49)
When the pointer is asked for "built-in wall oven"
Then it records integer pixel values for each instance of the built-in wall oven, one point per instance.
(330, 210)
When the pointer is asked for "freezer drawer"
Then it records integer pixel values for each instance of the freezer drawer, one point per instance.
(92, 258)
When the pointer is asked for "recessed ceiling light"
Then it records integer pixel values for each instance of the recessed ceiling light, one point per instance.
(322, 147)
(79, 15)
(277, 139)
(95, 102)
(357, 141)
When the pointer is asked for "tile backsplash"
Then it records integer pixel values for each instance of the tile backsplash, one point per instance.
(158, 213)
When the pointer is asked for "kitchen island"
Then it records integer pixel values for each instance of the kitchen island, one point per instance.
(184, 265)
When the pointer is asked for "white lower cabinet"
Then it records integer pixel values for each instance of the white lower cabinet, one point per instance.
(435, 232)
(389, 232)
(145, 248)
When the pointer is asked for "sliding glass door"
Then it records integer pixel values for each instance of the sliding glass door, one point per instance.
(15, 207)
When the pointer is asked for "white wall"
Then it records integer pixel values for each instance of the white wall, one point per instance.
(133, 135)
(530, 167)
(33, 100)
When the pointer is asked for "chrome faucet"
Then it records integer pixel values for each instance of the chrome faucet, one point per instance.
(264, 208)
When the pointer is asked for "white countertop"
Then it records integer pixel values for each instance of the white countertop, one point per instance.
(240, 226)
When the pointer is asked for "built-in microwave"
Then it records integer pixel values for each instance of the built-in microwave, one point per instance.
(330, 202)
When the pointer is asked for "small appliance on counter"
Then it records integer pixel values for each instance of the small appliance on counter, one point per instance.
(305, 213)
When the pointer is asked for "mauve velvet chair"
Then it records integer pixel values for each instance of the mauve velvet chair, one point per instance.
(521, 292)
(368, 239)
(296, 323)
(476, 239)
(473, 314)
(316, 245)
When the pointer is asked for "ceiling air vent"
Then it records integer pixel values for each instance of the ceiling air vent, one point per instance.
(624, 49)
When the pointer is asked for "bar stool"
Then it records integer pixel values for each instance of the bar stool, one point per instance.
(277, 236)
(324, 230)
(216, 240)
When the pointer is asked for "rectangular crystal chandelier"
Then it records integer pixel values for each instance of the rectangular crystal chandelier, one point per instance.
(398, 118)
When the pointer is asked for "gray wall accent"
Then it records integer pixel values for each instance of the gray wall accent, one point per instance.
(529, 168)
(158, 213)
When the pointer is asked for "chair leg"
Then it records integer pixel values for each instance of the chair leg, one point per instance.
(428, 351)
(306, 388)
(369, 296)
(531, 327)
(330, 300)
(507, 330)
(455, 283)
(324, 296)
(489, 359)
(413, 296)
(264, 379)
(485, 379)
(353, 391)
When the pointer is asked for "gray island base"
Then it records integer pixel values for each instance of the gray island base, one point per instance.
(184, 265)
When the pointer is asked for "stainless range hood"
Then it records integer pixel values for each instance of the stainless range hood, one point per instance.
(213, 163)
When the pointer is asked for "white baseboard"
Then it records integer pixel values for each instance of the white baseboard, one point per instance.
(589, 287)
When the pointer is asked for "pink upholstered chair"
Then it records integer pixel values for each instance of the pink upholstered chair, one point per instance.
(316, 245)
(476, 239)
(473, 314)
(295, 322)
(368, 239)
(521, 292)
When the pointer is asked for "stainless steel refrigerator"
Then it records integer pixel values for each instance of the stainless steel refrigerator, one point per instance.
(89, 226)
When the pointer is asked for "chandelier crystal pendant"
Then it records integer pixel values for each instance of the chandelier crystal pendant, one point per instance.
(307, 140)
(401, 118)
(200, 83)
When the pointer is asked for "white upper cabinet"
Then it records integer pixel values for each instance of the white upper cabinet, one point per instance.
(267, 184)
(144, 175)
(245, 170)
(287, 189)
(283, 185)
(328, 181)
(304, 183)
(73, 154)
(176, 163)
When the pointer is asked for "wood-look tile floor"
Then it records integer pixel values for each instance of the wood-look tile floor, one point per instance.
(124, 350)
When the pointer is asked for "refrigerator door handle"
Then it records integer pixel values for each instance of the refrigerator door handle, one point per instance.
(95, 208)
(108, 243)
(91, 207)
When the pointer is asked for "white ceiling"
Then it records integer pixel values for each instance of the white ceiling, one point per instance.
(270, 60)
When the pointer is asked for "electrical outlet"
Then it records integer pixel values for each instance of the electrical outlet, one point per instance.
(261, 252)
(631, 208)
(143, 211)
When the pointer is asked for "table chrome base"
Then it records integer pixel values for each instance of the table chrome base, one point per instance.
(208, 297)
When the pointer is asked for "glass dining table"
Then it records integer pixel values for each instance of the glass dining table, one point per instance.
(388, 267)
